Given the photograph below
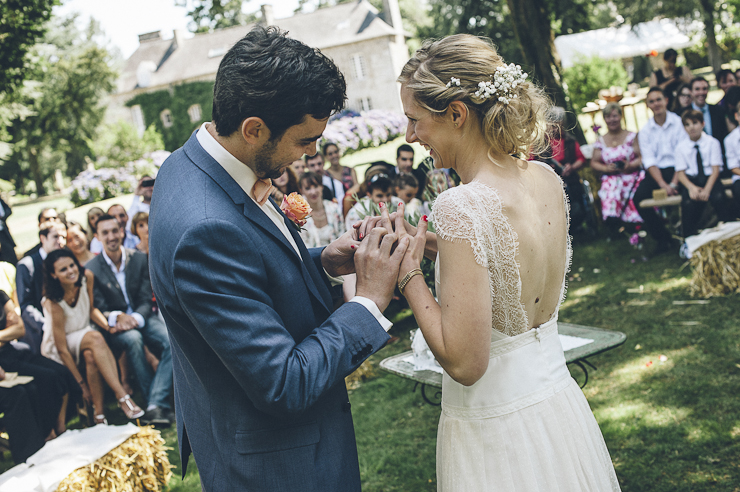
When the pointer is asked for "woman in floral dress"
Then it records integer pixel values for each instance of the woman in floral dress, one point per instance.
(617, 156)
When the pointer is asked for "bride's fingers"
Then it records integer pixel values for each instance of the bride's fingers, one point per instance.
(399, 226)
(421, 228)
(385, 219)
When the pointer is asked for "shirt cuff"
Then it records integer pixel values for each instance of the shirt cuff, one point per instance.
(139, 319)
(334, 281)
(373, 308)
(112, 318)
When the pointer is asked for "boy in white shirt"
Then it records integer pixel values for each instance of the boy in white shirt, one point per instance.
(732, 152)
(698, 163)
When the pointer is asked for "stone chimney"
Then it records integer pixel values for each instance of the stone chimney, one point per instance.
(392, 14)
(150, 36)
(268, 19)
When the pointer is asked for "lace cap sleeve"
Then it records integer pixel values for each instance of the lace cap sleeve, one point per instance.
(455, 217)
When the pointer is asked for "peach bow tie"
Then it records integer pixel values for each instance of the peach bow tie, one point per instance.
(261, 190)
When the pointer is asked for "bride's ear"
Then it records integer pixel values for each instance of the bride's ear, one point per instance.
(458, 113)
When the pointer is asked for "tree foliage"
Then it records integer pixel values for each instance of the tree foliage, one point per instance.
(71, 75)
(588, 76)
(119, 143)
(22, 22)
(208, 15)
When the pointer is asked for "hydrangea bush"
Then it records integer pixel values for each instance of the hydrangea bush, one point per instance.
(93, 185)
(368, 129)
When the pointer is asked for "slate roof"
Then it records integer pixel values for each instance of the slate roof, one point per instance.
(180, 59)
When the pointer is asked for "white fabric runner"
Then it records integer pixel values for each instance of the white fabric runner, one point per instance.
(719, 233)
(43, 471)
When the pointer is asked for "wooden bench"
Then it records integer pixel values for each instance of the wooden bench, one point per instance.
(675, 200)
(602, 340)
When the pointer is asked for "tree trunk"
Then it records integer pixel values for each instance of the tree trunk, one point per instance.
(38, 178)
(531, 24)
(715, 58)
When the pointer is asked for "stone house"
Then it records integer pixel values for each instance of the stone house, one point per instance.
(168, 82)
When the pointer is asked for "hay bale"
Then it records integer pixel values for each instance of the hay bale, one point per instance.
(716, 268)
(139, 464)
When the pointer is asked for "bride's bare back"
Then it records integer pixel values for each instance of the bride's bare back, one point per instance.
(515, 219)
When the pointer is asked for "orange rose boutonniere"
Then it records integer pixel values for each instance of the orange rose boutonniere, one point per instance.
(296, 208)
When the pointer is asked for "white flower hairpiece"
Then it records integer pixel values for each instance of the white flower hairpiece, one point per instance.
(503, 83)
(453, 81)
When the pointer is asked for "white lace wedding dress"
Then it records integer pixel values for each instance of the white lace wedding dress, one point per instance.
(525, 425)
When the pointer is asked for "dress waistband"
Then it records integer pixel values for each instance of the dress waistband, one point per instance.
(522, 370)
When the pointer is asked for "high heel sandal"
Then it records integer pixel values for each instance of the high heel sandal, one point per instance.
(130, 408)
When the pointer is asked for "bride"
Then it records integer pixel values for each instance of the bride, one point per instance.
(512, 418)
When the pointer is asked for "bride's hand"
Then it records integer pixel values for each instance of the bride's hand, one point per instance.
(363, 228)
(417, 240)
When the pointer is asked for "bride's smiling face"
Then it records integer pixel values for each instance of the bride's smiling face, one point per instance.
(427, 130)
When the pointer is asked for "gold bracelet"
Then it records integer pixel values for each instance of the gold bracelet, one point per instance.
(406, 278)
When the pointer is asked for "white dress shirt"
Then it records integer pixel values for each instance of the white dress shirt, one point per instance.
(732, 151)
(120, 274)
(711, 155)
(245, 178)
(658, 142)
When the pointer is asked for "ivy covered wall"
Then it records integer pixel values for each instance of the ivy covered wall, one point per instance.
(177, 99)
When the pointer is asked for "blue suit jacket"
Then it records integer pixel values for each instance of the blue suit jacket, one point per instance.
(259, 358)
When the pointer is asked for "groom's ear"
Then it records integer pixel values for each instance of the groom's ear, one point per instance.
(254, 131)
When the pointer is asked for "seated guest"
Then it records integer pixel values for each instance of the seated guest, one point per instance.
(732, 147)
(658, 140)
(725, 80)
(7, 244)
(731, 99)
(55, 384)
(617, 157)
(299, 167)
(566, 159)
(336, 170)
(326, 223)
(715, 117)
(20, 405)
(69, 338)
(670, 76)
(96, 247)
(140, 228)
(405, 164)
(375, 190)
(129, 240)
(333, 188)
(29, 280)
(46, 215)
(123, 294)
(682, 101)
(142, 201)
(286, 184)
(7, 280)
(698, 163)
(77, 242)
(406, 188)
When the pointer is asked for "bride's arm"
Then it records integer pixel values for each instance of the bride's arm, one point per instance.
(458, 329)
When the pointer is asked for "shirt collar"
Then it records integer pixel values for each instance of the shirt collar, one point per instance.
(240, 172)
(43, 254)
(112, 265)
(702, 109)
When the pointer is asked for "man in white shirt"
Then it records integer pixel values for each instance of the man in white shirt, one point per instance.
(333, 188)
(658, 140)
(142, 199)
(698, 164)
(732, 151)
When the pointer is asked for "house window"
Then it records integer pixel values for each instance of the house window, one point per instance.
(194, 113)
(166, 117)
(364, 104)
(137, 115)
(359, 70)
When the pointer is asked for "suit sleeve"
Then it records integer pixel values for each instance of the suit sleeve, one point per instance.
(224, 294)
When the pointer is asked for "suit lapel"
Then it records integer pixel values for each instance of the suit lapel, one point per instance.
(109, 278)
(257, 216)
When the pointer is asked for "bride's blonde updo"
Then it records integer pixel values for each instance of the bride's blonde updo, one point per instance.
(517, 128)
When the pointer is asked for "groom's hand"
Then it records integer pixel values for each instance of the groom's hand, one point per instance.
(338, 258)
(377, 267)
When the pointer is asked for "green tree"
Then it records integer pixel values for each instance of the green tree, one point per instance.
(208, 15)
(72, 75)
(22, 23)
(119, 143)
(588, 76)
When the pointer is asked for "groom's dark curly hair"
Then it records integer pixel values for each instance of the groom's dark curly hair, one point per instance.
(275, 78)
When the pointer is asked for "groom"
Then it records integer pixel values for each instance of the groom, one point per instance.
(259, 357)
